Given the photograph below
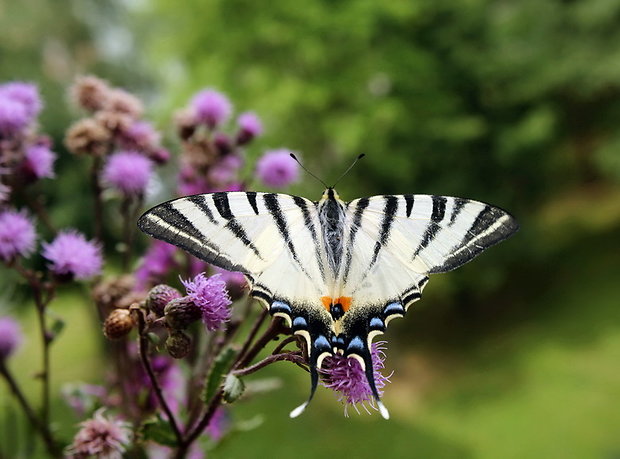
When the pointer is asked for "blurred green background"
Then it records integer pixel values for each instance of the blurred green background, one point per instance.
(516, 103)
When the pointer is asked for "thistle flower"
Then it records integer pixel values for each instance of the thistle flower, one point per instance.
(141, 135)
(72, 256)
(210, 295)
(129, 172)
(250, 127)
(345, 376)
(39, 162)
(156, 263)
(101, 437)
(13, 116)
(211, 107)
(90, 92)
(159, 296)
(10, 336)
(17, 235)
(25, 93)
(235, 282)
(225, 171)
(121, 101)
(87, 136)
(277, 169)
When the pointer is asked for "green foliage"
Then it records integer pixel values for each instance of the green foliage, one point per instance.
(222, 365)
(158, 429)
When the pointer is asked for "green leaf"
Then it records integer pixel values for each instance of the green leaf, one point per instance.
(57, 326)
(158, 429)
(233, 388)
(222, 364)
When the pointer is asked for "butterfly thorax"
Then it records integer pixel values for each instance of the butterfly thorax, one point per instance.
(332, 218)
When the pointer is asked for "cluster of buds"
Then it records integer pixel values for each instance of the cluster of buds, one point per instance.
(211, 158)
(25, 154)
(206, 299)
(116, 295)
(114, 129)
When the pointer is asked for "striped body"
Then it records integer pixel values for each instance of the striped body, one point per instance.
(336, 272)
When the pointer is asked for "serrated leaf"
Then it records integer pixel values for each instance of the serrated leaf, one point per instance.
(158, 430)
(233, 388)
(221, 365)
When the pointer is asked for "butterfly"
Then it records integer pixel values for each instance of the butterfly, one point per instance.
(337, 272)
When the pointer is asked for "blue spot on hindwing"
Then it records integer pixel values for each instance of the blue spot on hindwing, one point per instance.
(376, 324)
(322, 344)
(394, 308)
(279, 306)
(299, 322)
(356, 345)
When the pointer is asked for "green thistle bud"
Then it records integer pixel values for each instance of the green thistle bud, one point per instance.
(159, 296)
(178, 344)
(181, 312)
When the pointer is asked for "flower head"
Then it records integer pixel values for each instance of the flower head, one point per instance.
(346, 376)
(211, 107)
(10, 336)
(39, 162)
(17, 235)
(225, 170)
(129, 172)
(210, 295)
(142, 136)
(101, 437)
(156, 263)
(250, 127)
(235, 282)
(26, 94)
(72, 255)
(13, 116)
(277, 169)
(90, 92)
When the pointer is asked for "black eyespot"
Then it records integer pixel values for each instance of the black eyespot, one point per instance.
(337, 311)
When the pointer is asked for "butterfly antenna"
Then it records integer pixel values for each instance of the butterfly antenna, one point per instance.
(350, 167)
(304, 168)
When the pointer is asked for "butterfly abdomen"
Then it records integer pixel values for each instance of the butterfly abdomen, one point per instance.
(332, 219)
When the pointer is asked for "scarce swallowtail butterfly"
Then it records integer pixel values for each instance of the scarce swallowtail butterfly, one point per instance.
(337, 272)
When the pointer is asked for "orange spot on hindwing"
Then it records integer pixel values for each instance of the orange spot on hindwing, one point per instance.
(338, 306)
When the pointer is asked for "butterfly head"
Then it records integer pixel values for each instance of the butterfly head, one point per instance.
(330, 194)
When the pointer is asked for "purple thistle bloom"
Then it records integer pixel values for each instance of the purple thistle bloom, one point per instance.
(72, 255)
(142, 136)
(10, 336)
(225, 171)
(250, 127)
(13, 116)
(129, 172)
(345, 376)
(39, 162)
(26, 94)
(17, 235)
(277, 169)
(210, 295)
(156, 263)
(211, 107)
(100, 437)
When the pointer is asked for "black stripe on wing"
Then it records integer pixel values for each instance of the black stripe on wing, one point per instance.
(303, 206)
(389, 212)
(491, 226)
(168, 224)
(362, 204)
(437, 215)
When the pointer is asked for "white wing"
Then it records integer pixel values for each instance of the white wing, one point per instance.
(272, 238)
(393, 243)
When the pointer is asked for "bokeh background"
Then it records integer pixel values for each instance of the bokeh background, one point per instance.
(516, 103)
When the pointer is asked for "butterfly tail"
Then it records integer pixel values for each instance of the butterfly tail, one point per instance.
(314, 381)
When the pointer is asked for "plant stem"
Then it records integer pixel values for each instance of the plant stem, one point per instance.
(154, 382)
(204, 422)
(294, 357)
(98, 201)
(41, 427)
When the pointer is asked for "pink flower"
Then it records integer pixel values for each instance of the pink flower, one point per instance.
(218, 425)
(17, 235)
(345, 376)
(277, 169)
(250, 127)
(211, 297)
(225, 170)
(13, 117)
(211, 107)
(129, 172)
(141, 135)
(10, 336)
(27, 94)
(71, 255)
(100, 437)
(39, 162)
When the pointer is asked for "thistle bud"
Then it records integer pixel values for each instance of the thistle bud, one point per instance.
(178, 344)
(118, 324)
(159, 296)
(181, 312)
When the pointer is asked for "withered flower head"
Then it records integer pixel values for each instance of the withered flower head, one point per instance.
(87, 136)
(90, 93)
